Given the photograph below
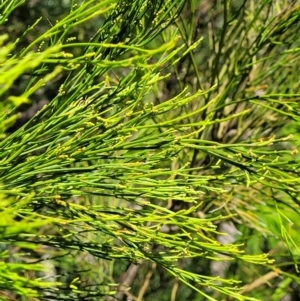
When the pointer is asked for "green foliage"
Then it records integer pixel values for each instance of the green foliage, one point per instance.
(170, 121)
(16, 273)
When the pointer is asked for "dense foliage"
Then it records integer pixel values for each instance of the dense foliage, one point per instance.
(149, 150)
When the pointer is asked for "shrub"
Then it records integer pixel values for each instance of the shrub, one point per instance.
(163, 126)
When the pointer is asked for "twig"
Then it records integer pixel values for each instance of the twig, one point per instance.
(174, 291)
(258, 282)
(146, 282)
(126, 279)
